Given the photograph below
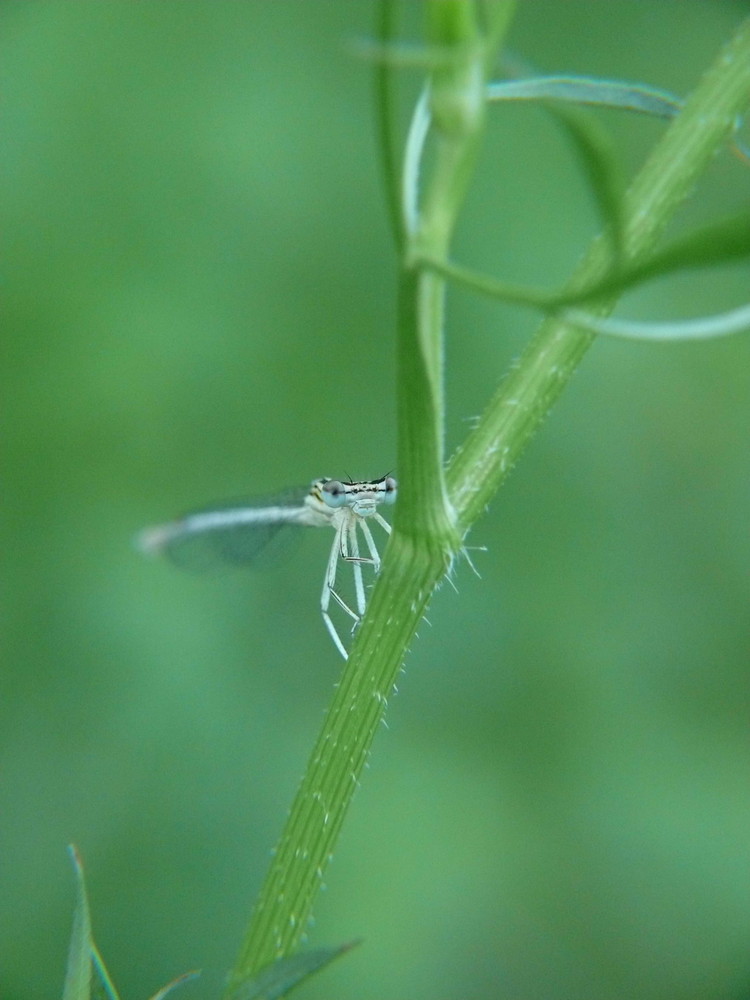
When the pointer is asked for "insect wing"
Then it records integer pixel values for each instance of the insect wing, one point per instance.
(234, 533)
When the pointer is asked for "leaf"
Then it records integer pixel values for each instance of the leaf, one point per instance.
(720, 242)
(280, 977)
(723, 242)
(402, 55)
(413, 150)
(703, 328)
(83, 955)
(615, 94)
(103, 985)
(178, 981)
(78, 973)
(597, 158)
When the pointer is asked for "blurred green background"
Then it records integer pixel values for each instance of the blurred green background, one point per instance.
(199, 304)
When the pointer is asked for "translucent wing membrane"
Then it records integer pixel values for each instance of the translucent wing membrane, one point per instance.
(234, 533)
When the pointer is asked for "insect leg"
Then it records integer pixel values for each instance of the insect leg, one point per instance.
(328, 584)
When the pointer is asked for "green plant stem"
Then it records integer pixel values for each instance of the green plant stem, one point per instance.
(413, 566)
(457, 109)
(385, 115)
(337, 760)
(523, 400)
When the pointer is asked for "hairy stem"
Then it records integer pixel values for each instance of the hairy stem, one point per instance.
(425, 534)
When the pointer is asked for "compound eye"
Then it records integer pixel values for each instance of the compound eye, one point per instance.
(391, 488)
(333, 493)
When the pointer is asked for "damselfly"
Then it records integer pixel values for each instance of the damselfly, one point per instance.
(237, 532)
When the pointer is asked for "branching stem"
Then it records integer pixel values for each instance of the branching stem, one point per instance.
(433, 514)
